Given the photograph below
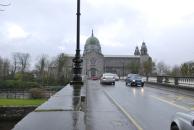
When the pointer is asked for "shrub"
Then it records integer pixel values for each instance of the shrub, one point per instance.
(31, 84)
(37, 93)
(17, 84)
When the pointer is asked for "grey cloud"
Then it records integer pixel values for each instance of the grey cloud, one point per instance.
(49, 22)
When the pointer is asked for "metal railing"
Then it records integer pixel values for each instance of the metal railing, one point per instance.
(21, 94)
(169, 80)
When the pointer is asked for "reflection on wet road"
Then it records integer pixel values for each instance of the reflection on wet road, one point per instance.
(145, 108)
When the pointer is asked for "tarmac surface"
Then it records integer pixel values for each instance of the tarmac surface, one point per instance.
(101, 113)
(120, 107)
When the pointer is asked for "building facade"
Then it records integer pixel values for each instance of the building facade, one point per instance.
(95, 63)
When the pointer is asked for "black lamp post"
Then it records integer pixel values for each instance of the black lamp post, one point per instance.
(77, 69)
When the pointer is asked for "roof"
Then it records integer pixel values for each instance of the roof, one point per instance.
(122, 56)
(112, 56)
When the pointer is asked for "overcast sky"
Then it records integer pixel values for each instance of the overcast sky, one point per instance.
(49, 27)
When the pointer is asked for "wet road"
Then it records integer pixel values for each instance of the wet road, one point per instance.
(143, 108)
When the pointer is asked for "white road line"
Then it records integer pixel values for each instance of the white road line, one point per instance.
(171, 103)
(129, 117)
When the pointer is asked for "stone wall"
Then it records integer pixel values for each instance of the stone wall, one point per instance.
(119, 65)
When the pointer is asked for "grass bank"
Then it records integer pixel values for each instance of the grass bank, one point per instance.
(21, 102)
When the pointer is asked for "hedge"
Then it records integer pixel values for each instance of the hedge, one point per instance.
(17, 84)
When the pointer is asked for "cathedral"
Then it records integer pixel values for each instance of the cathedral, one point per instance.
(95, 63)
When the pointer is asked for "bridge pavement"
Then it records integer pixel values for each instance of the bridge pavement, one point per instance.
(60, 112)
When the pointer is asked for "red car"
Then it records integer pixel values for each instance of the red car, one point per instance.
(94, 78)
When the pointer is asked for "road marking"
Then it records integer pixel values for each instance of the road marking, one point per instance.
(171, 103)
(129, 117)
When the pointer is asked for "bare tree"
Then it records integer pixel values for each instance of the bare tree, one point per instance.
(61, 67)
(52, 73)
(4, 68)
(20, 62)
(14, 65)
(24, 61)
(1, 68)
(42, 67)
(162, 68)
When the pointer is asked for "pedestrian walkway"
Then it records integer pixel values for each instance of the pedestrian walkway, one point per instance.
(58, 113)
(101, 113)
(61, 112)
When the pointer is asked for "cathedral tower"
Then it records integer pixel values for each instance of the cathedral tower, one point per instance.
(137, 52)
(144, 50)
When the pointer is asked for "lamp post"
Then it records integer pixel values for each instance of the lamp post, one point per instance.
(77, 69)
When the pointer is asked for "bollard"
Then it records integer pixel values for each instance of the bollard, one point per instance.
(159, 79)
(176, 79)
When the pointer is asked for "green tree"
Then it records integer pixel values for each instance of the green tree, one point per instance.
(42, 69)
(175, 71)
(147, 67)
(186, 69)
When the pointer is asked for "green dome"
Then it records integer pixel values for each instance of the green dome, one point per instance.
(92, 44)
(92, 40)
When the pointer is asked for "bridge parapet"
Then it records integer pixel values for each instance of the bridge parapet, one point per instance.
(63, 111)
(173, 81)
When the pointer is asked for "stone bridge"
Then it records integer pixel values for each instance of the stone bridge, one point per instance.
(113, 107)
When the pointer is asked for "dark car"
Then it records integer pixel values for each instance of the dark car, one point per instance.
(134, 80)
(183, 121)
